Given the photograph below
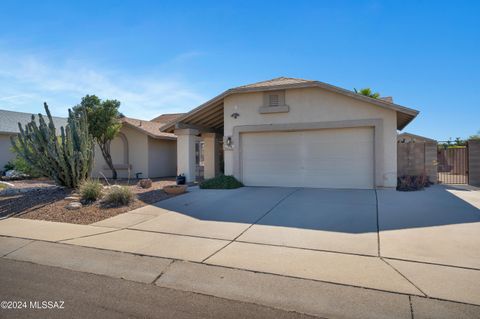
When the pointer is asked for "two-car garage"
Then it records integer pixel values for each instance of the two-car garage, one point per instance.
(288, 132)
(330, 158)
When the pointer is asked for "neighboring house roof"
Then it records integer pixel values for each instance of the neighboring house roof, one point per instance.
(404, 115)
(406, 135)
(9, 121)
(150, 128)
(166, 118)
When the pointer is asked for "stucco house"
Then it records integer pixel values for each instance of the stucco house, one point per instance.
(140, 149)
(293, 132)
(406, 137)
(9, 127)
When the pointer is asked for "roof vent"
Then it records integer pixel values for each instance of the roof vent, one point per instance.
(273, 100)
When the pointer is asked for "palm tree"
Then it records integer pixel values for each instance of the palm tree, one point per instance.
(368, 92)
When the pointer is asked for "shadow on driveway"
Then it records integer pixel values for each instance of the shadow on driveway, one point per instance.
(348, 211)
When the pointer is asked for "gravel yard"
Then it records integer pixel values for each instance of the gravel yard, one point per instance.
(48, 203)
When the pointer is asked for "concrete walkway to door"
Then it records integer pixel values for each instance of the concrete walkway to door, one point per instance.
(420, 243)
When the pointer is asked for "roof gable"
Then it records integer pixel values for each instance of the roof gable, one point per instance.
(150, 128)
(404, 115)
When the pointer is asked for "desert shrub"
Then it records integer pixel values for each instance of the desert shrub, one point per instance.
(408, 183)
(145, 183)
(221, 182)
(118, 196)
(9, 166)
(91, 190)
(22, 166)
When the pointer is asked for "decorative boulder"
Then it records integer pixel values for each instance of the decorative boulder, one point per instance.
(74, 205)
(145, 183)
(13, 174)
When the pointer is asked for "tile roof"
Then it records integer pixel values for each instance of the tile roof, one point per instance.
(275, 82)
(9, 121)
(148, 127)
(404, 114)
(166, 118)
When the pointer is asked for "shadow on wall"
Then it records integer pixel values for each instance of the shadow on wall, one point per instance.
(347, 211)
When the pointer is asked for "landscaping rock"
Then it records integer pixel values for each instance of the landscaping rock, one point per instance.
(73, 198)
(13, 175)
(74, 205)
(145, 183)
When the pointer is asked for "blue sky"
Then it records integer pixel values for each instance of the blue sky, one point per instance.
(160, 57)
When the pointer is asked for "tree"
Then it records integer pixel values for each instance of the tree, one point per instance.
(67, 158)
(368, 92)
(103, 124)
(475, 137)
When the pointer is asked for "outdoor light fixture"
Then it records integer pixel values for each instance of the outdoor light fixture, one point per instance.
(235, 114)
(228, 142)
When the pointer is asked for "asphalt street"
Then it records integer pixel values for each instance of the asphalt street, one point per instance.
(50, 292)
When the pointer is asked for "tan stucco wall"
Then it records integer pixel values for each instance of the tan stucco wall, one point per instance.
(417, 159)
(311, 105)
(137, 150)
(5, 153)
(162, 158)
(474, 162)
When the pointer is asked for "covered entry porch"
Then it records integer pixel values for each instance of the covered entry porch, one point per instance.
(200, 141)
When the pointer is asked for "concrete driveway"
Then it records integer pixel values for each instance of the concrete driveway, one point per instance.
(418, 243)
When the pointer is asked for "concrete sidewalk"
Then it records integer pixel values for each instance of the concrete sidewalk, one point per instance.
(311, 297)
(328, 236)
(349, 270)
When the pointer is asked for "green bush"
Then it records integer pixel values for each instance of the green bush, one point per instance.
(91, 190)
(22, 166)
(118, 196)
(221, 182)
(9, 166)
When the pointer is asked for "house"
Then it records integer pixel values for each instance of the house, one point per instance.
(294, 132)
(140, 149)
(9, 127)
(409, 137)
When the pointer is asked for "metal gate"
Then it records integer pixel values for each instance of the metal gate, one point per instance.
(452, 164)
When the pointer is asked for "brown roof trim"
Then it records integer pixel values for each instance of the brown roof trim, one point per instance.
(408, 114)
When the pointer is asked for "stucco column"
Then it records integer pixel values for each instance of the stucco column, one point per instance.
(186, 153)
(211, 155)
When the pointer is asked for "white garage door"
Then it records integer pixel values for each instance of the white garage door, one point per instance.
(329, 158)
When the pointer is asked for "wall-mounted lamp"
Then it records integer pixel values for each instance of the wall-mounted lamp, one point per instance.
(235, 113)
(229, 142)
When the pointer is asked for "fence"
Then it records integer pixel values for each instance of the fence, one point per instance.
(417, 158)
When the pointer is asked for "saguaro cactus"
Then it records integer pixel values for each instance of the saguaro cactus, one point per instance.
(66, 158)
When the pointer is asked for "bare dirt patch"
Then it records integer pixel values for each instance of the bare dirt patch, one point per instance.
(49, 204)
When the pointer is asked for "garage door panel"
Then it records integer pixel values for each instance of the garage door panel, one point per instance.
(336, 158)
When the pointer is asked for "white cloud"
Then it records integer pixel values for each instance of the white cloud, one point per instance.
(27, 81)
